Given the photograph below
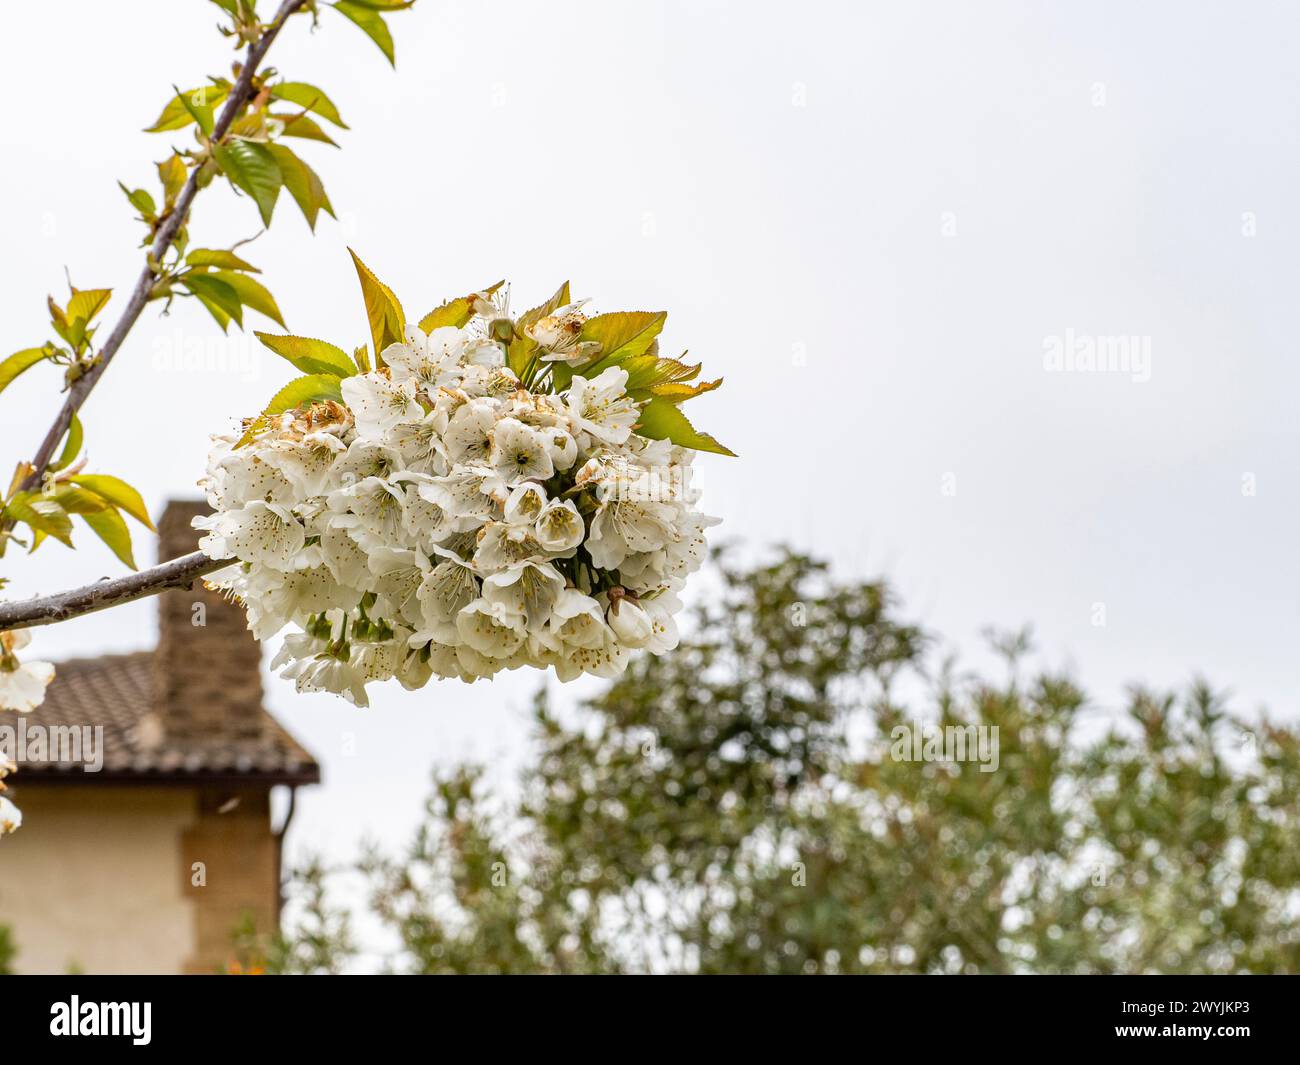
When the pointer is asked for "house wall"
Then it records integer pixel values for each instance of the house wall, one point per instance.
(105, 880)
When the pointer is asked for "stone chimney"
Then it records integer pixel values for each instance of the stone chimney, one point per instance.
(207, 668)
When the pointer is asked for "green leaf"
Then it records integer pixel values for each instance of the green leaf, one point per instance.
(172, 172)
(198, 109)
(231, 7)
(117, 492)
(18, 362)
(108, 525)
(220, 258)
(304, 126)
(252, 294)
(43, 514)
(310, 356)
(177, 113)
(623, 334)
(141, 201)
(646, 371)
(387, 319)
(372, 25)
(251, 167)
(300, 392)
(661, 420)
(71, 446)
(213, 291)
(309, 97)
(303, 184)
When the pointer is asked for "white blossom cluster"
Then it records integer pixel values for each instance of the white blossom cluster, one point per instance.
(445, 520)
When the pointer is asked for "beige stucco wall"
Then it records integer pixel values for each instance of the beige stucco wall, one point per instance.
(91, 880)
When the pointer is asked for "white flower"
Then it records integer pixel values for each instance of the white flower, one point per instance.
(11, 818)
(577, 620)
(379, 403)
(525, 504)
(428, 362)
(625, 527)
(601, 407)
(501, 544)
(558, 333)
(444, 592)
(561, 446)
(559, 527)
(629, 621)
(22, 684)
(491, 629)
(373, 506)
(527, 588)
(469, 432)
(267, 533)
(445, 520)
(519, 453)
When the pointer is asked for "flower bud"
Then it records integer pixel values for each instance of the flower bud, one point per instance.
(630, 622)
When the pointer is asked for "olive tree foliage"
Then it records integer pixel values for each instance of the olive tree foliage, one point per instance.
(736, 807)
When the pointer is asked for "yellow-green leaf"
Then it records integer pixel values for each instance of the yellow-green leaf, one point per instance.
(309, 97)
(18, 362)
(177, 115)
(86, 303)
(455, 312)
(43, 515)
(141, 201)
(172, 173)
(108, 525)
(623, 334)
(303, 184)
(117, 492)
(310, 356)
(77, 500)
(252, 294)
(304, 126)
(251, 167)
(677, 392)
(372, 25)
(661, 420)
(220, 258)
(71, 446)
(384, 312)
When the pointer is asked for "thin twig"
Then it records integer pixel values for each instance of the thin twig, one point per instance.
(46, 610)
(82, 386)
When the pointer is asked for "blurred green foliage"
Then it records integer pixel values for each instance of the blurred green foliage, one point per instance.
(733, 807)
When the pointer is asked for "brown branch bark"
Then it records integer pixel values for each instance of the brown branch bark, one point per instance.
(82, 387)
(46, 610)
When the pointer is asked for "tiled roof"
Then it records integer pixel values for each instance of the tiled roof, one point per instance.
(118, 692)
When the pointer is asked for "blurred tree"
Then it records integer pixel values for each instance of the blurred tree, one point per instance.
(738, 806)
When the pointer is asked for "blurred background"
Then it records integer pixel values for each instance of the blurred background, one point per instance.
(875, 220)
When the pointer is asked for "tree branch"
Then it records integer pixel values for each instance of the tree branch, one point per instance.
(46, 610)
(82, 386)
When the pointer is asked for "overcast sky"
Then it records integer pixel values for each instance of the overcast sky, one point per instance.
(875, 220)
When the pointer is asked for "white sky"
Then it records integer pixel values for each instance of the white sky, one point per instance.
(785, 180)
